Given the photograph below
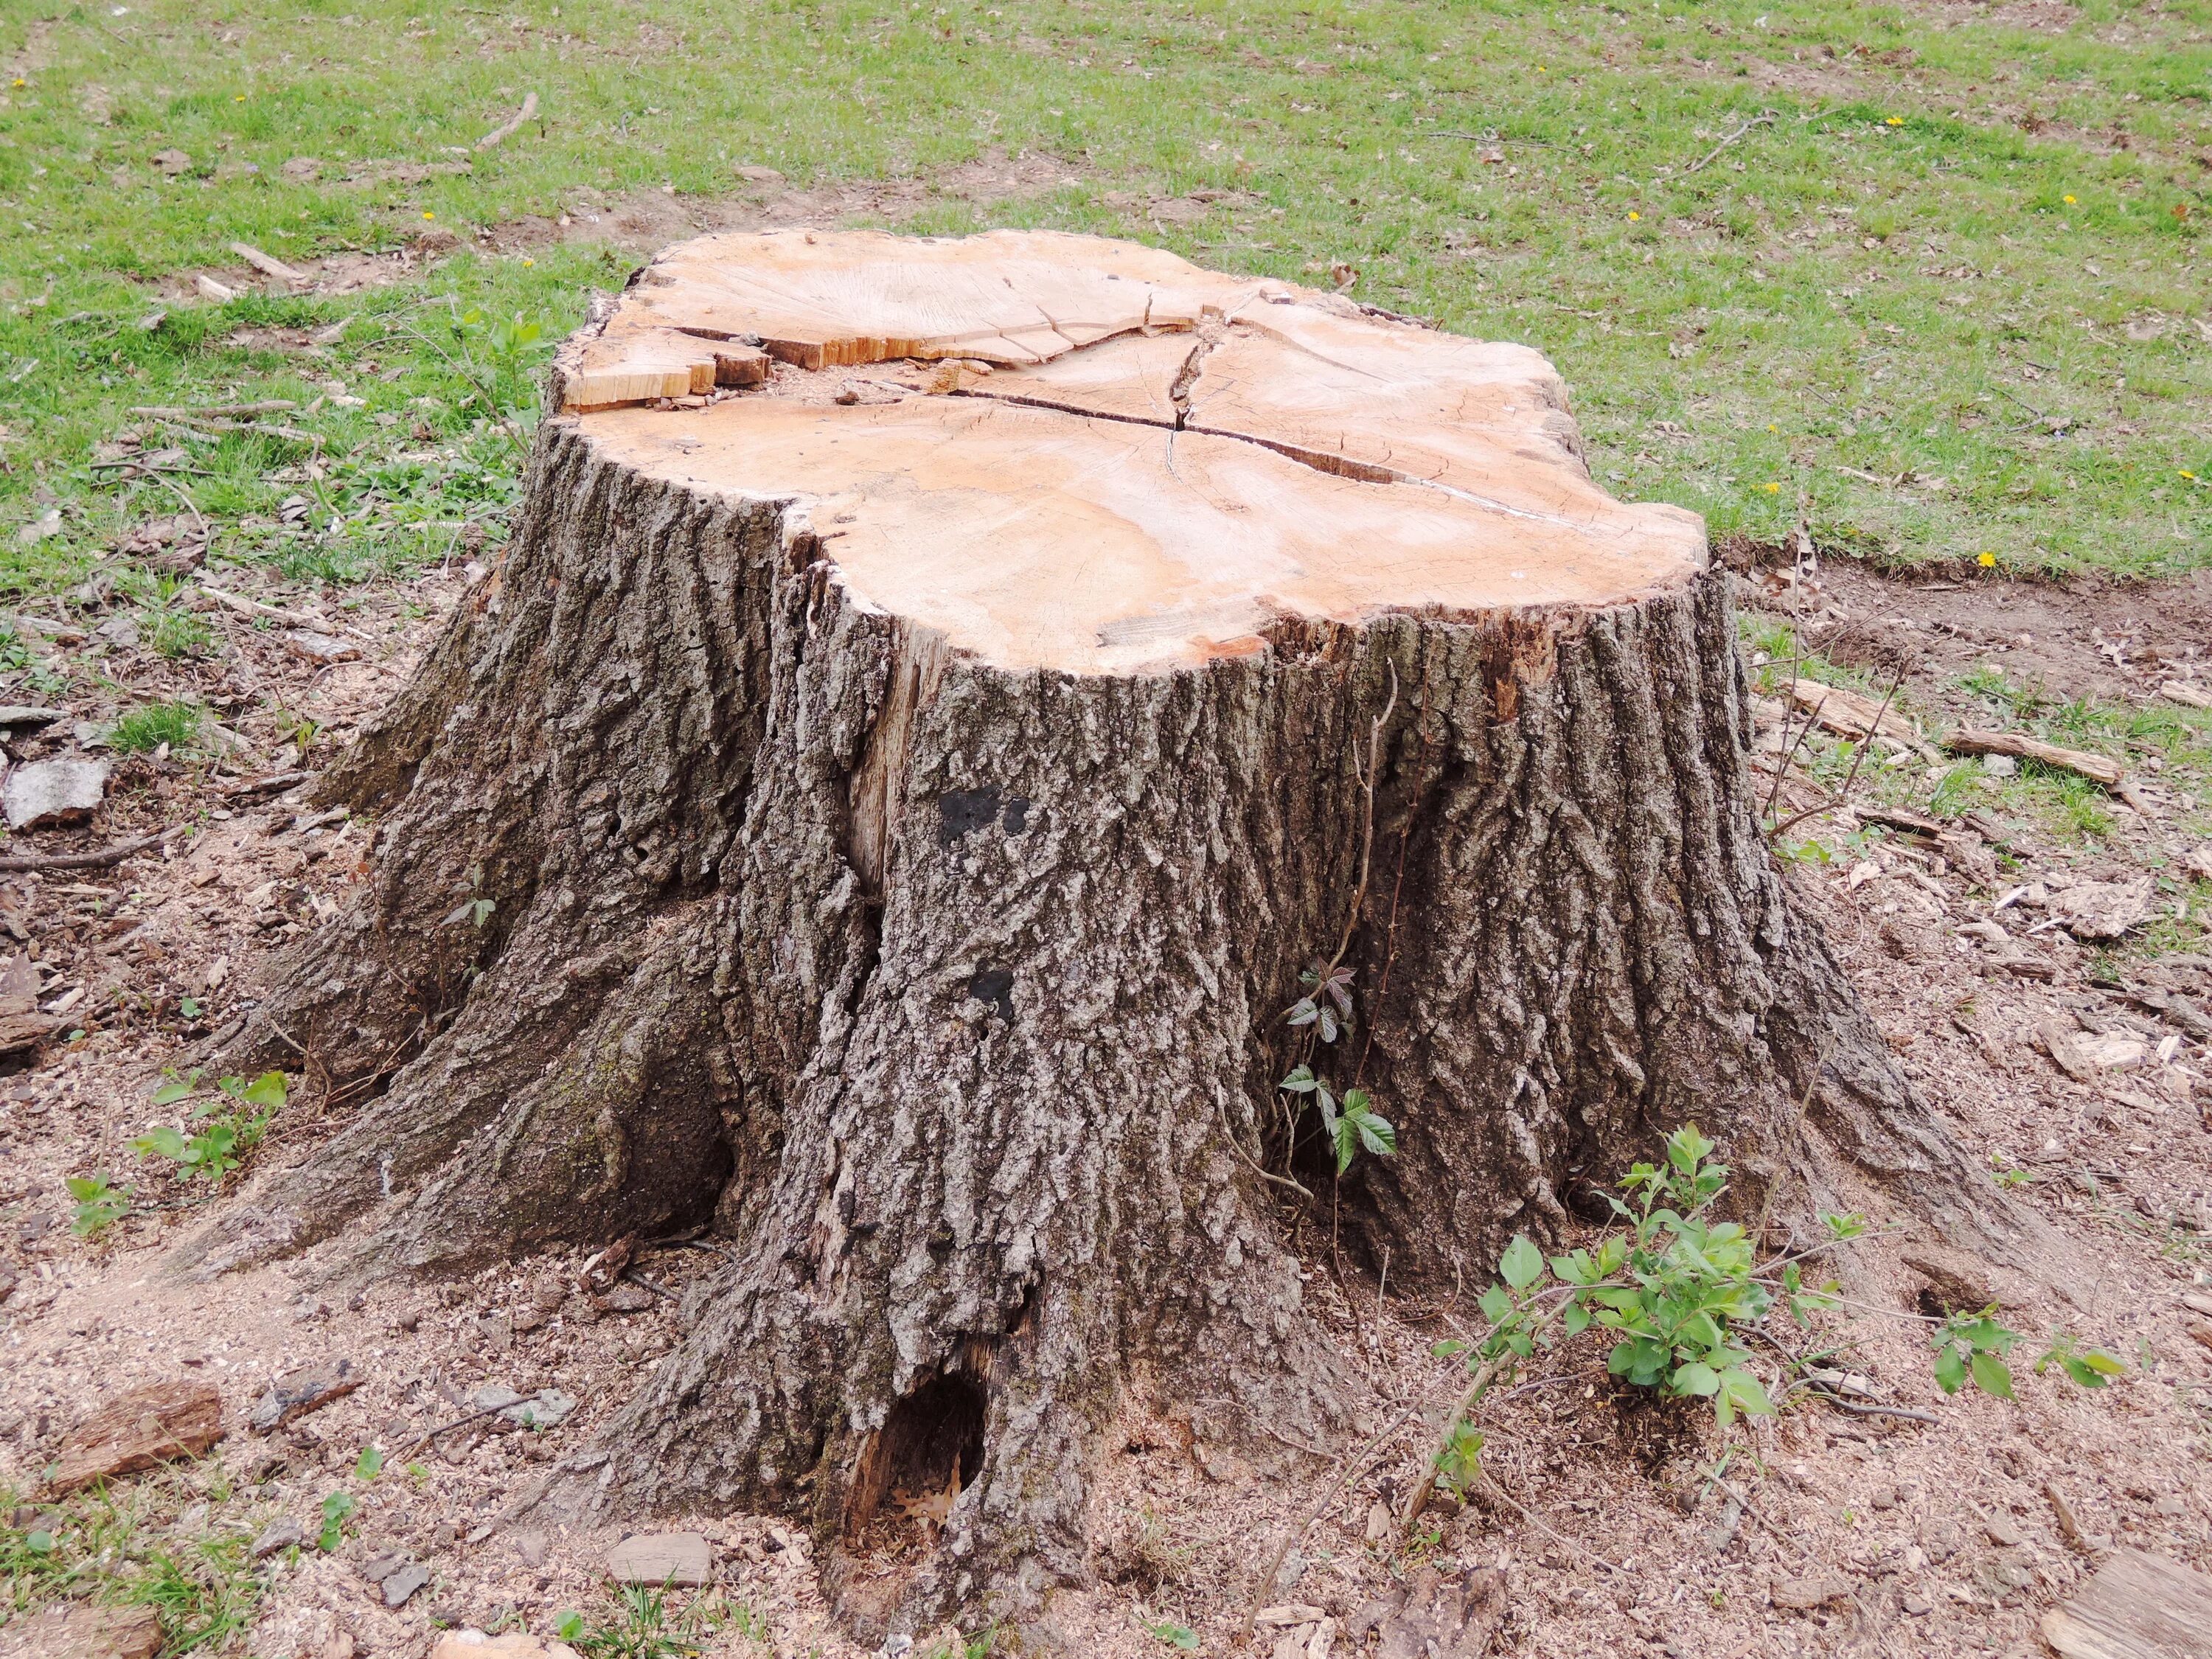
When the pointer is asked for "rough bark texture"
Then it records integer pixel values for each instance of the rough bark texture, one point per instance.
(952, 995)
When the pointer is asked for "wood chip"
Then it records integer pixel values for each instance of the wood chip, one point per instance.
(2098, 768)
(1852, 714)
(2136, 1605)
(135, 1431)
(267, 264)
(2188, 696)
(1815, 1590)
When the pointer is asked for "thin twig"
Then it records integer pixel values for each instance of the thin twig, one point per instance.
(507, 130)
(1260, 1170)
(100, 860)
(1367, 831)
(1763, 118)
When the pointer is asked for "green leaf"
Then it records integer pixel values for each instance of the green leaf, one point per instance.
(1522, 1264)
(1695, 1379)
(568, 1626)
(1991, 1375)
(266, 1091)
(82, 1187)
(38, 1543)
(1495, 1303)
(1346, 1135)
(1575, 1320)
(1300, 1082)
(1745, 1391)
(1950, 1369)
(369, 1464)
(169, 1093)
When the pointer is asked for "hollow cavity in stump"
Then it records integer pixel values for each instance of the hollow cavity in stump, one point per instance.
(881, 804)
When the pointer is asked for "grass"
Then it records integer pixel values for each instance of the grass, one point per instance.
(146, 1543)
(150, 725)
(1923, 278)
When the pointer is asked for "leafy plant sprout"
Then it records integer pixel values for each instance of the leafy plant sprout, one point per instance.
(217, 1133)
(1677, 1292)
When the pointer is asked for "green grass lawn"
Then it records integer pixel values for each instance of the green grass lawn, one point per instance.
(1931, 276)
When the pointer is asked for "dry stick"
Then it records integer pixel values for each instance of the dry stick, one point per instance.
(1765, 119)
(1851, 777)
(216, 411)
(178, 491)
(507, 130)
(100, 860)
(1367, 830)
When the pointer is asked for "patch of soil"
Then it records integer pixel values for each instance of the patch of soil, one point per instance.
(2116, 641)
(641, 222)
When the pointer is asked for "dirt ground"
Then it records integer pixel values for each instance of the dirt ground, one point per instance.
(1621, 1529)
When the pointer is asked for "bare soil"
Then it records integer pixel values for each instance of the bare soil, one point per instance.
(1942, 1537)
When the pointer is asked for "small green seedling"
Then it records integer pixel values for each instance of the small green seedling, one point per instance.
(99, 1205)
(338, 1508)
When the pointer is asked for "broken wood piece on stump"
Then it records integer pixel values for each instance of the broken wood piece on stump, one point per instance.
(2136, 1605)
(2098, 768)
(157, 1424)
(963, 723)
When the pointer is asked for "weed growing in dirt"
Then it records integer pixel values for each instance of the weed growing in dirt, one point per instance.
(203, 1592)
(152, 725)
(1677, 1292)
(217, 1133)
(338, 1508)
(99, 1204)
(642, 1626)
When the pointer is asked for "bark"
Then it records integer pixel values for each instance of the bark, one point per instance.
(951, 994)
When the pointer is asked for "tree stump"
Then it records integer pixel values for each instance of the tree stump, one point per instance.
(939, 697)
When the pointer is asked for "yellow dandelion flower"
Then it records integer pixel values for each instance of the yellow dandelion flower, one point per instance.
(1770, 427)
(1774, 490)
(430, 215)
(2068, 200)
(1895, 121)
(1987, 560)
(529, 262)
(239, 98)
(21, 82)
(2187, 474)
(1633, 216)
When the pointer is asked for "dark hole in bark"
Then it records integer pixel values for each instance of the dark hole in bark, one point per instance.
(1016, 820)
(963, 812)
(929, 1448)
(996, 986)
(1930, 1305)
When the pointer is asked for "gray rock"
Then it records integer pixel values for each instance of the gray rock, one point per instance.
(54, 792)
(282, 1533)
(681, 1559)
(321, 649)
(15, 714)
(403, 1583)
(541, 1410)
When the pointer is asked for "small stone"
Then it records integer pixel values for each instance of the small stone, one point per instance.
(1917, 1605)
(282, 1533)
(403, 1583)
(2003, 1531)
(49, 793)
(15, 714)
(626, 1298)
(138, 1430)
(531, 1546)
(514, 1644)
(684, 1559)
(1815, 1591)
(298, 1392)
(48, 523)
(321, 649)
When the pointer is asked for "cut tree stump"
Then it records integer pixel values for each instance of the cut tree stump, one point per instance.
(882, 805)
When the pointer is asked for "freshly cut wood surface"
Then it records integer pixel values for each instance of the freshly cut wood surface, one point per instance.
(1165, 462)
